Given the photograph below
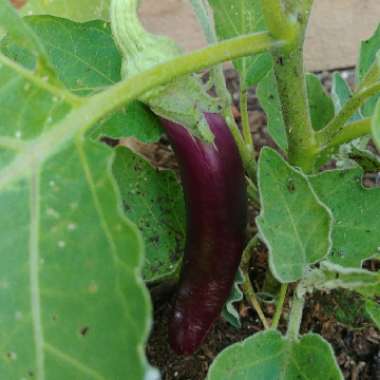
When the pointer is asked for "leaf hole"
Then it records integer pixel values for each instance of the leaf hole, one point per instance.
(84, 330)
(11, 355)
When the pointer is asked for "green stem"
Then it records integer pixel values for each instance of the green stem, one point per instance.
(337, 124)
(277, 20)
(247, 135)
(253, 192)
(295, 317)
(289, 73)
(279, 305)
(247, 285)
(93, 109)
(351, 132)
(245, 154)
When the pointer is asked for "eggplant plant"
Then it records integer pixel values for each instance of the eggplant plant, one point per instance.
(87, 227)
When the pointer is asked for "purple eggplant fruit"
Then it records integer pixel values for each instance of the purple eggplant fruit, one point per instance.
(216, 203)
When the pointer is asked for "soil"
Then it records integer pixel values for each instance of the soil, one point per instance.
(337, 316)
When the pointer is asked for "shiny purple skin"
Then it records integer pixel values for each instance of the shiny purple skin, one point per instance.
(216, 204)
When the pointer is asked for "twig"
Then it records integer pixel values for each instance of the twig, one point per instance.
(248, 290)
(279, 305)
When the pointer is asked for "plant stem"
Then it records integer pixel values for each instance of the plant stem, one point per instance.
(96, 107)
(247, 285)
(253, 192)
(279, 305)
(247, 135)
(289, 73)
(295, 317)
(351, 132)
(245, 154)
(337, 124)
(277, 20)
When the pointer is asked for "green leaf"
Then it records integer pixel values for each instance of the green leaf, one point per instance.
(357, 224)
(84, 55)
(234, 18)
(70, 290)
(135, 120)
(269, 99)
(293, 222)
(83, 10)
(373, 309)
(320, 104)
(368, 52)
(70, 284)
(376, 125)
(229, 313)
(11, 22)
(270, 356)
(95, 65)
(153, 199)
(341, 93)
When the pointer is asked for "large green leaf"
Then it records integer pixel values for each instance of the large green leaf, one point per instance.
(234, 18)
(269, 99)
(70, 292)
(293, 222)
(355, 210)
(82, 10)
(153, 199)
(270, 356)
(87, 61)
(73, 305)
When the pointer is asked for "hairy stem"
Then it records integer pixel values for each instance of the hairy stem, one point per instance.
(253, 192)
(278, 22)
(351, 132)
(337, 124)
(279, 305)
(247, 135)
(247, 285)
(289, 73)
(295, 317)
